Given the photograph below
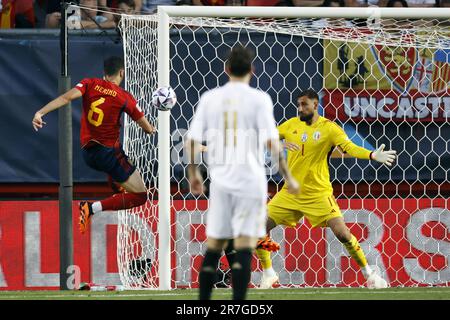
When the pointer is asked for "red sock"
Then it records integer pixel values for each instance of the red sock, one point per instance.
(122, 201)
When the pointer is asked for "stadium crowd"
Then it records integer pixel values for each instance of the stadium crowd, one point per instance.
(46, 13)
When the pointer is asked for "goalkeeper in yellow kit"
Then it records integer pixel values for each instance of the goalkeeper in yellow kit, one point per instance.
(310, 140)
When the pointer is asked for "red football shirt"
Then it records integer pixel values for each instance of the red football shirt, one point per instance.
(103, 105)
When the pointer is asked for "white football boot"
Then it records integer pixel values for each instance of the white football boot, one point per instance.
(268, 280)
(375, 281)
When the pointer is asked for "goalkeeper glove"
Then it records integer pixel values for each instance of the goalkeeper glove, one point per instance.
(386, 157)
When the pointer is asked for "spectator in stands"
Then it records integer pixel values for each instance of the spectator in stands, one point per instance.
(333, 3)
(53, 18)
(397, 3)
(88, 19)
(124, 6)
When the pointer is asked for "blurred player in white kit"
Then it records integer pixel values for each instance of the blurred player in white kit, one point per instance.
(237, 123)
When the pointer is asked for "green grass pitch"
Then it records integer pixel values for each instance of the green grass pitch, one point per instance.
(419, 293)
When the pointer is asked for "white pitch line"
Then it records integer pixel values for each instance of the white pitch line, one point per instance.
(109, 296)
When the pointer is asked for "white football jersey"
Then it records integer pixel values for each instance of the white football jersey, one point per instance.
(236, 121)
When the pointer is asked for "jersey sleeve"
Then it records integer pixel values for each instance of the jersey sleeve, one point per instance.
(83, 85)
(340, 139)
(197, 127)
(266, 121)
(283, 128)
(133, 109)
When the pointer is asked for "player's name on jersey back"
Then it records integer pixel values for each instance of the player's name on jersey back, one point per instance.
(109, 92)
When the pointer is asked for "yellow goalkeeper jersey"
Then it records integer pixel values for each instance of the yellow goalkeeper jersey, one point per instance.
(309, 165)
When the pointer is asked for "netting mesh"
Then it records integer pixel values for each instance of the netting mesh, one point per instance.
(383, 81)
(137, 230)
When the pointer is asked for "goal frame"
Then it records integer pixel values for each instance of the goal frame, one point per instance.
(163, 67)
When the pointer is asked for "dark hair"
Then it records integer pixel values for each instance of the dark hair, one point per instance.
(327, 3)
(239, 62)
(392, 2)
(309, 93)
(129, 3)
(112, 65)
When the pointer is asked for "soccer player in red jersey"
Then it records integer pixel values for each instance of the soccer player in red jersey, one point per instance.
(104, 101)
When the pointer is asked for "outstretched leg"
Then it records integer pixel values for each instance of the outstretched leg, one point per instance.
(351, 244)
(135, 196)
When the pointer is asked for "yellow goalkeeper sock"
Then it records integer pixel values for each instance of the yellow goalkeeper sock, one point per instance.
(264, 257)
(356, 252)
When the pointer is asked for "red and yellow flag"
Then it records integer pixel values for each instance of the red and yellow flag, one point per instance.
(7, 15)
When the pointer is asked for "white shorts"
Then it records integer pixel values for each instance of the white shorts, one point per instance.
(230, 216)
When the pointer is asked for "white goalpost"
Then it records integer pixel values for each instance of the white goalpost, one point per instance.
(383, 74)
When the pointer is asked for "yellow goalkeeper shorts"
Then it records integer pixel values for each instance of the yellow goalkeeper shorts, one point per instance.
(287, 210)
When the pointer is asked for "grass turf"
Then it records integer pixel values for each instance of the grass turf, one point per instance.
(420, 293)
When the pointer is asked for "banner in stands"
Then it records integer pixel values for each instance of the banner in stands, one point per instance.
(374, 82)
(399, 96)
(409, 241)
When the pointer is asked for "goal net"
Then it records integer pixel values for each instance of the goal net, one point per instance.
(384, 80)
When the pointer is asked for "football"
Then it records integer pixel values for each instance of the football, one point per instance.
(164, 98)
